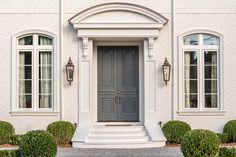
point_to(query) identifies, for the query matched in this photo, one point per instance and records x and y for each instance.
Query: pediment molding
(108, 16)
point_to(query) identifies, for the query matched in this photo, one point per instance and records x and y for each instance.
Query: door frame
(141, 76)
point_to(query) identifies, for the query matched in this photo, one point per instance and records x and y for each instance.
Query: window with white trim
(34, 72)
(201, 66)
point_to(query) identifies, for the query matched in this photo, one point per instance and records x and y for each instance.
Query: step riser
(123, 141)
(119, 129)
(117, 138)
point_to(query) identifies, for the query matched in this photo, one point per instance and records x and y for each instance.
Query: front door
(118, 83)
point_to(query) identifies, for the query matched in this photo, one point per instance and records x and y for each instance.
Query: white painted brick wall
(18, 15)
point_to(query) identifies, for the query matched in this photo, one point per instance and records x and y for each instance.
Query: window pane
(210, 72)
(210, 57)
(25, 101)
(211, 101)
(25, 86)
(210, 86)
(210, 40)
(191, 40)
(45, 72)
(28, 40)
(190, 57)
(45, 58)
(25, 58)
(191, 101)
(25, 72)
(45, 86)
(45, 101)
(191, 86)
(190, 72)
(44, 40)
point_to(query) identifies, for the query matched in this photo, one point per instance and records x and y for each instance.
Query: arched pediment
(118, 15)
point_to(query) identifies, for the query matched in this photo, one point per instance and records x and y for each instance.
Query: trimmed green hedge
(230, 129)
(223, 137)
(62, 131)
(175, 130)
(9, 153)
(15, 139)
(227, 152)
(6, 132)
(38, 143)
(200, 143)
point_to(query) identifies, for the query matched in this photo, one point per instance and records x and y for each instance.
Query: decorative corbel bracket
(85, 47)
(150, 47)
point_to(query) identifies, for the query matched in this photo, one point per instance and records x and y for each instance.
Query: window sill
(34, 113)
(201, 113)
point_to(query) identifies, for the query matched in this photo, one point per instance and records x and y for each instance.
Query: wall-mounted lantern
(166, 67)
(69, 71)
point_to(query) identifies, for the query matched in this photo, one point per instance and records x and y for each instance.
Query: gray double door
(118, 83)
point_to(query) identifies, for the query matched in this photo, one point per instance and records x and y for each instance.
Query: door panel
(107, 86)
(118, 95)
(128, 80)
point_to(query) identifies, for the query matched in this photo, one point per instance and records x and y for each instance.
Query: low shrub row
(37, 143)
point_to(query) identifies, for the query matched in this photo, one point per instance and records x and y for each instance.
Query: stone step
(119, 135)
(134, 145)
(116, 141)
(110, 137)
(118, 128)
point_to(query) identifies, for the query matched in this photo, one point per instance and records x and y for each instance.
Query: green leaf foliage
(37, 143)
(200, 143)
(227, 152)
(9, 153)
(223, 137)
(175, 130)
(6, 132)
(15, 139)
(230, 129)
(62, 131)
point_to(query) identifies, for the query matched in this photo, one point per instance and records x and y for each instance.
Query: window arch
(200, 83)
(33, 56)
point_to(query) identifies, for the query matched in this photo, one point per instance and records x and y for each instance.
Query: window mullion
(201, 73)
(35, 69)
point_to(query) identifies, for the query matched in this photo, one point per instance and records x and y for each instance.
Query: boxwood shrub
(200, 143)
(223, 137)
(9, 153)
(15, 139)
(227, 152)
(62, 131)
(230, 129)
(37, 143)
(174, 131)
(6, 132)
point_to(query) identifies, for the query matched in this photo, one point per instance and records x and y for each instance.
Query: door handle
(119, 99)
(116, 98)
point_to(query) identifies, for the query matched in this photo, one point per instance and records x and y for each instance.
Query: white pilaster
(85, 89)
(150, 89)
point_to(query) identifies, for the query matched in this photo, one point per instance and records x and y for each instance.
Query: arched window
(34, 72)
(200, 57)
